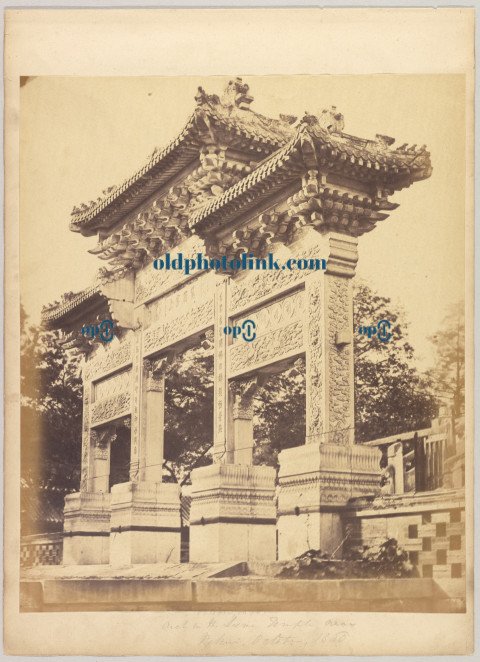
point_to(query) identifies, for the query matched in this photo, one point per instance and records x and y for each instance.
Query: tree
(448, 374)
(391, 395)
(280, 414)
(189, 412)
(51, 419)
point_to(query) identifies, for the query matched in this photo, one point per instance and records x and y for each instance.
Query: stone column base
(233, 514)
(316, 482)
(145, 523)
(86, 528)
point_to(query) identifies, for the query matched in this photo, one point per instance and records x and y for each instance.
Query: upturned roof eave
(59, 316)
(83, 222)
(90, 220)
(391, 163)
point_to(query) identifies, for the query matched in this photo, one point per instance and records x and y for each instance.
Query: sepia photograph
(239, 340)
(241, 409)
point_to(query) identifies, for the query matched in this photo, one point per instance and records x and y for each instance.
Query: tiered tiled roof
(233, 158)
(245, 130)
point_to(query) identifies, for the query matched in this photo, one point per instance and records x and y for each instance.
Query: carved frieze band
(166, 333)
(151, 283)
(280, 343)
(109, 359)
(111, 408)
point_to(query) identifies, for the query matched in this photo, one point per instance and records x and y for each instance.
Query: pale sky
(81, 135)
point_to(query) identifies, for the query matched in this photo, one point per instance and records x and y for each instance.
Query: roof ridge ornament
(236, 94)
(202, 97)
(331, 120)
(384, 141)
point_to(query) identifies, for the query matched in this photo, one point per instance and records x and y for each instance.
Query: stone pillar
(317, 480)
(101, 441)
(154, 413)
(241, 393)
(395, 459)
(220, 389)
(145, 521)
(233, 514)
(87, 513)
(86, 528)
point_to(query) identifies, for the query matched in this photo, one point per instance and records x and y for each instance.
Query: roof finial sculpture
(331, 120)
(236, 94)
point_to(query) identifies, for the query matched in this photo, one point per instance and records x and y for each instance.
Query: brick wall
(429, 525)
(43, 549)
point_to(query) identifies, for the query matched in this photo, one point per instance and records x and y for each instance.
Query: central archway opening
(120, 455)
(279, 414)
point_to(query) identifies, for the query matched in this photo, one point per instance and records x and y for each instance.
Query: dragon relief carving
(186, 296)
(276, 313)
(113, 385)
(263, 283)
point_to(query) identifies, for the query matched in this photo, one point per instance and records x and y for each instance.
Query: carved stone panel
(340, 360)
(275, 314)
(279, 344)
(168, 332)
(112, 385)
(261, 284)
(315, 377)
(279, 329)
(111, 408)
(151, 283)
(110, 358)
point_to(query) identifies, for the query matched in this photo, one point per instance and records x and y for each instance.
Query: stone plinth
(86, 528)
(233, 514)
(316, 482)
(145, 523)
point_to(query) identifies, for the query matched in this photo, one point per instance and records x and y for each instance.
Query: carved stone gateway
(232, 183)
